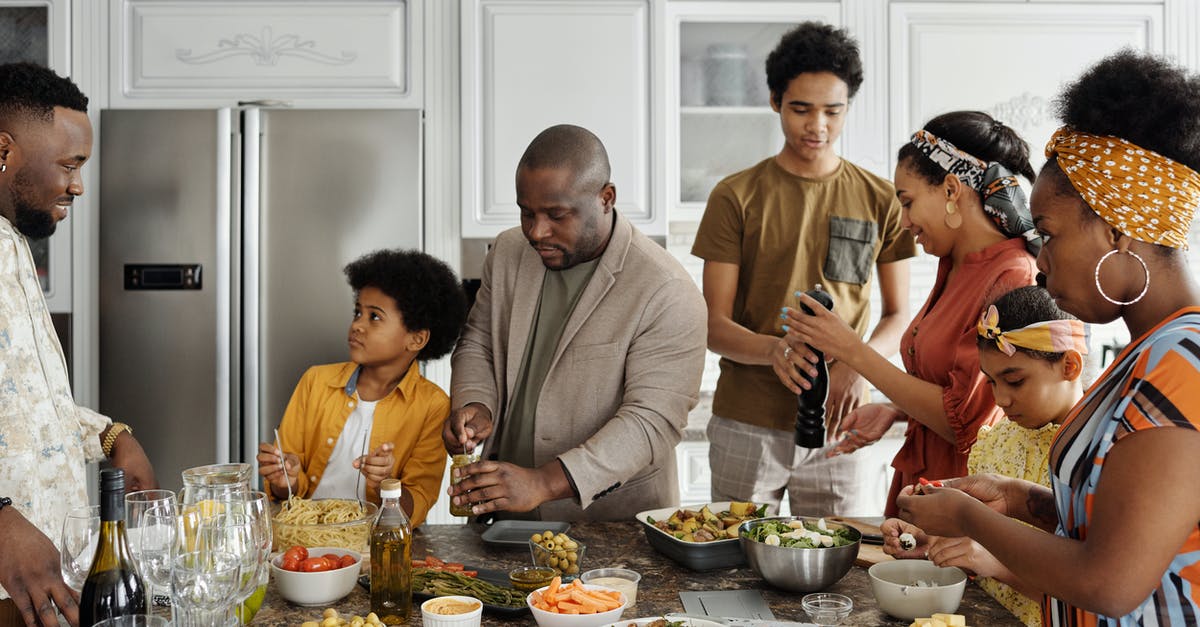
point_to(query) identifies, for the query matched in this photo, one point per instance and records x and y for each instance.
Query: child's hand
(376, 465)
(273, 472)
(966, 554)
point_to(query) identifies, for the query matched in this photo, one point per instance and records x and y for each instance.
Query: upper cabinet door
(530, 64)
(1009, 60)
(329, 53)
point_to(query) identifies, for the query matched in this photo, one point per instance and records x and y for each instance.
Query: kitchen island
(623, 544)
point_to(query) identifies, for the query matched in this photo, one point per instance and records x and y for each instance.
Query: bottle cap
(389, 489)
(112, 480)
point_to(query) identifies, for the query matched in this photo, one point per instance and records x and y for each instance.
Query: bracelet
(110, 439)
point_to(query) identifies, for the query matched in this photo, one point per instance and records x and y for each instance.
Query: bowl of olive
(557, 551)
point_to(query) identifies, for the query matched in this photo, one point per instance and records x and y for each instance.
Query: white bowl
(317, 589)
(552, 619)
(469, 619)
(897, 593)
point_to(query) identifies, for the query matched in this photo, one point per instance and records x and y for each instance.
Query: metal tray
(694, 555)
(516, 532)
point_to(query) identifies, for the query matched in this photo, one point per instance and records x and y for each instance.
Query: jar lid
(389, 489)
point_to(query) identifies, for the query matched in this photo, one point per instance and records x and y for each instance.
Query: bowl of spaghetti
(323, 522)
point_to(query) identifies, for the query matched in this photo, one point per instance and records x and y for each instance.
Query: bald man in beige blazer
(582, 354)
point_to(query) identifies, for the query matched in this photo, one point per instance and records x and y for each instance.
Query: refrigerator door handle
(224, 287)
(251, 281)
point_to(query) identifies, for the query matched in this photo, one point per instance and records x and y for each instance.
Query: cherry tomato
(347, 560)
(333, 557)
(290, 563)
(298, 552)
(315, 565)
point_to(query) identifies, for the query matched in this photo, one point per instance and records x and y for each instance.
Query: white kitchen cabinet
(39, 31)
(530, 64)
(695, 476)
(718, 110)
(189, 53)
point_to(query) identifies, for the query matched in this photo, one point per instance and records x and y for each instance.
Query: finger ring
(787, 351)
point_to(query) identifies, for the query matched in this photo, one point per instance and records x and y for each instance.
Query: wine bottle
(810, 403)
(112, 587)
(391, 558)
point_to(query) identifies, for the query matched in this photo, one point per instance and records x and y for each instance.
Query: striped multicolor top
(1151, 385)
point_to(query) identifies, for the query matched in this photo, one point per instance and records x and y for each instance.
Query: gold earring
(953, 217)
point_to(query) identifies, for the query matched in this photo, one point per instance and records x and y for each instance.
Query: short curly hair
(31, 91)
(1022, 307)
(427, 293)
(814, 47)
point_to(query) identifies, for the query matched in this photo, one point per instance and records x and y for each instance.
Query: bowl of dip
(621, 579)
(451, 611)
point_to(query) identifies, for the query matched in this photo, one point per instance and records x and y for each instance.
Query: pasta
(323, 523)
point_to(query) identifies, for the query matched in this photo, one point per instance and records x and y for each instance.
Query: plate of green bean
(489, 586)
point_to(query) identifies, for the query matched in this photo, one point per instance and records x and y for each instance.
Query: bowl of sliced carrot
(575, 604)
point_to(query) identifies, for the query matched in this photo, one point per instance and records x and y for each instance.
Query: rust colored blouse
(939, 346)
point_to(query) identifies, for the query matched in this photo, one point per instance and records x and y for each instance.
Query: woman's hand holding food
(272, 470)
(894, 533)
(376, 465)
(862, 427)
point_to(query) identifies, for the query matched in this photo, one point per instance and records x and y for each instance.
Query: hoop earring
(1114, 301)
(3, 167)
(953, 217)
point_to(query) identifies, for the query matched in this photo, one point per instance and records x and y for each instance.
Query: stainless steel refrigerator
(223, 234)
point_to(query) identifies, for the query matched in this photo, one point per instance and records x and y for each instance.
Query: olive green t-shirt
(787, 233)
(560, 292)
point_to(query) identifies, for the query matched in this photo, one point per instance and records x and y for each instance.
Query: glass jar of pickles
(458, 461)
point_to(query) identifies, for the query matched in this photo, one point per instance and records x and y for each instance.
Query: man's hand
(466, 427)
(491, 486)
(793, 362)
(31, 573)
(847, 391)
(270, 469)
(376, 465)
(127, 454)
(862, 427)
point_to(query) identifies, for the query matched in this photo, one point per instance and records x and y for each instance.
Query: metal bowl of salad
(797, 553)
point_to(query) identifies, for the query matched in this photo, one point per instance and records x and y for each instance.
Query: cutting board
(868, 554)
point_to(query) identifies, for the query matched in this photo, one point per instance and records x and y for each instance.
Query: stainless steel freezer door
(334, 185)
(158, 349)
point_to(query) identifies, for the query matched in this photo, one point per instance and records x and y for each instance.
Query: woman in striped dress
(1114, 204)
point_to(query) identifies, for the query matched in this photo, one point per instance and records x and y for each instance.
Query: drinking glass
(160, 508)
(80, 534)
(203, 586)
(134, 620)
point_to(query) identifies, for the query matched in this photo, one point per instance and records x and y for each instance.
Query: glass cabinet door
(720, 119)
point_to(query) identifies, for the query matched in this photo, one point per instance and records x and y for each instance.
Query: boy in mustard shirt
(350, 425)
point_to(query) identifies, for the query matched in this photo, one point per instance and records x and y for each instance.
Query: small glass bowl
(530, 578)
(827, 608)
(566, 561)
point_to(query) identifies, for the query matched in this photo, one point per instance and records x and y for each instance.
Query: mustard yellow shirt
(1009, 449)
(410, 417)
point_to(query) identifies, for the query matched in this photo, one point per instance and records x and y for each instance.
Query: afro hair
(814, 47)
(33, 91)
(426, 291)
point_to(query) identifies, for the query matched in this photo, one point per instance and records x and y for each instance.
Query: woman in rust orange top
(956, 181)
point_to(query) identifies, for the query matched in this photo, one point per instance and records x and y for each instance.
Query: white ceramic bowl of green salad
(798, 553)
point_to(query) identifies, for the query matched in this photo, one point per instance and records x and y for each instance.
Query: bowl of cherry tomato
(315, 576)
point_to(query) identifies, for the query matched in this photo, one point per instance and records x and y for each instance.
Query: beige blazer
(622, 379)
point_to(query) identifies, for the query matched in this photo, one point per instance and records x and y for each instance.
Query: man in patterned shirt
(45, 438)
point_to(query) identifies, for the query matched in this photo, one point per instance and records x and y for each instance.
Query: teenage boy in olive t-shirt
(803, 217)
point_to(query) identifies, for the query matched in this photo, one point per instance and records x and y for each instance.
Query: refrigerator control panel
(179, 276)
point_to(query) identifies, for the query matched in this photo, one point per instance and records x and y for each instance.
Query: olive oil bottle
(112, 587)
(391, 558)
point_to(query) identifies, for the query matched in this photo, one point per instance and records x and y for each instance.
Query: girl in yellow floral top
(1032, 355)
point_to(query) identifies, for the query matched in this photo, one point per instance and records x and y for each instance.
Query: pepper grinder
(810, 403)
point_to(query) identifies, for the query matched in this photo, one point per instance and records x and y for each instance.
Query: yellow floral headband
(1139, 192)
(1050, 336)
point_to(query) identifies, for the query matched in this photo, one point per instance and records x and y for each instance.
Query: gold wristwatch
(110, 438)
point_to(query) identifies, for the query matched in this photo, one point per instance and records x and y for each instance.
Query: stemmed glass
(80, 534)
(239, 524)
(150, 534)
(203, 585)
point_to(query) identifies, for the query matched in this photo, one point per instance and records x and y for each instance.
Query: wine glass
(156, 547)
(80, 534)
(158, 538)
(203, 586)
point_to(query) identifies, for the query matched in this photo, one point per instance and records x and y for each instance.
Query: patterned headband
(1003, 200)
(1139, 192)
(1050, 336)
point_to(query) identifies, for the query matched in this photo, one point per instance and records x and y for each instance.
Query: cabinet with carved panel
(174, 53)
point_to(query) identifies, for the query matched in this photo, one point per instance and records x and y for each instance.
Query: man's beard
(32, 222)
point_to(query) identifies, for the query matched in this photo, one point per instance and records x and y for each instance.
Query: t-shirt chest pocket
(851, 250)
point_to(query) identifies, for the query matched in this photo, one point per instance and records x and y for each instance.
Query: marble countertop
(624, 544)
